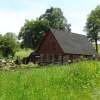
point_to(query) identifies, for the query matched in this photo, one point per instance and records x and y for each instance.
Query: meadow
(78, 81)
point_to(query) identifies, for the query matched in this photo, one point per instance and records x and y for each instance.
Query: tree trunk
(96, 45)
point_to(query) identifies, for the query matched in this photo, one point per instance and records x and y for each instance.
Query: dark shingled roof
(73, 43)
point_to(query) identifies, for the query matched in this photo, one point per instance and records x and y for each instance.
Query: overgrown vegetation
(80, 81)
(8, 44)
(23, 53)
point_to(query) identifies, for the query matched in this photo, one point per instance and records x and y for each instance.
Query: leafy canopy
(93, 25)
(55, 19)
(8, 44)
(33, 31)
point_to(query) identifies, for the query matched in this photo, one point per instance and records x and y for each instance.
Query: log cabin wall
(65, 58)
(49, 50)
(51, 58)
(60, 59)
(50, 46)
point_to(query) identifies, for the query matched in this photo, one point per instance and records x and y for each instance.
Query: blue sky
(14, 12)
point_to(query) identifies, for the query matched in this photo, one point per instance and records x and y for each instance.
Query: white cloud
(11, 21)
(77, 21)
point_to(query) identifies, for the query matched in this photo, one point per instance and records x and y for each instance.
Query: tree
(55, 19)
(33, 31)
(1, 39)
(93, 26)
(8, 44)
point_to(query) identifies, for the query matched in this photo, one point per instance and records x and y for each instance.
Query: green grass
(80, 81)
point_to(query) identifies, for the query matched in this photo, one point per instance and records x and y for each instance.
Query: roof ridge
(78, 34)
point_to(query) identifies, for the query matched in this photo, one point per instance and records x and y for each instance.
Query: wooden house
(59, 46)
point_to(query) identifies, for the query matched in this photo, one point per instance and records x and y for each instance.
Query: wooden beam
(62, 59)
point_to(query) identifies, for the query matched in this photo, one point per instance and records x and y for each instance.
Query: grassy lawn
(80, 81)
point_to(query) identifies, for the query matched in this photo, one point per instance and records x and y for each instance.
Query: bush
(8, 44)
(23, 53)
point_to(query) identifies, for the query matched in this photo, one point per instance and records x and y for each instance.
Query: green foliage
(23, 53)
(93, 25)
(55, 19)
(1, 40)
(8, 44)
(33, 31)
(80, 81)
